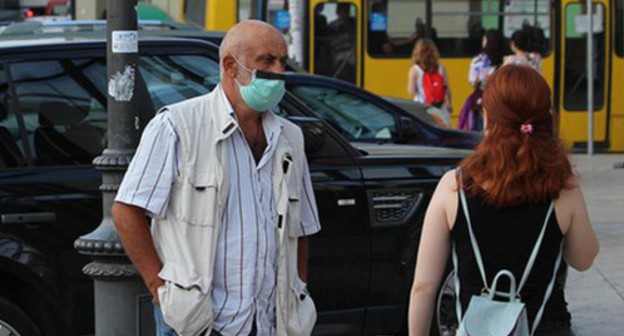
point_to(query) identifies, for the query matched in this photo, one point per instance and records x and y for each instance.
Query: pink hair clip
(526, 128)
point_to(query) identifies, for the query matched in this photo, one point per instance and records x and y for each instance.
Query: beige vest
(186, 239)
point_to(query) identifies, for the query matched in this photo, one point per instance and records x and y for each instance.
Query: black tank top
(506, 237)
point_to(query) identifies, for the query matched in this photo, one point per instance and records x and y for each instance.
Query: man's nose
(278, 67)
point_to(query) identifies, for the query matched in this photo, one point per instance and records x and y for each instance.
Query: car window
(63, 103)
(56, 102)
(11, 147)
(171, 79)
(354, 117)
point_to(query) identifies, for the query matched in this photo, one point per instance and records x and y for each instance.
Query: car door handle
(28, 217)
(346, 202)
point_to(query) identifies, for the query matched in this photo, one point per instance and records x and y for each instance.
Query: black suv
(53, 122)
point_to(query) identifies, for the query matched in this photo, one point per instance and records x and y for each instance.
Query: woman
(519, 45)
(491, 58)
(510, 180)
(481, 68)
(427, 81)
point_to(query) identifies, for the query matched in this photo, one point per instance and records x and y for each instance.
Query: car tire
(15, 320)
(445, 313)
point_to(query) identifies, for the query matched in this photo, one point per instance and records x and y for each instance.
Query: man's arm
(302, 258)
(137, 241)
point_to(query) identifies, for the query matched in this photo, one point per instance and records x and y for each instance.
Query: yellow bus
(369, 42)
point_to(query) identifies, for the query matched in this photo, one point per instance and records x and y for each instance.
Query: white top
(480, 70)
(531, 59)
(244, 283)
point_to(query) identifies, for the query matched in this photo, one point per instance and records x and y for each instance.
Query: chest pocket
(293, 190)
(197, 204)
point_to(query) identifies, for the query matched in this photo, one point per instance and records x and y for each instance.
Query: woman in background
(511, 179)
(427, 82)
(519, 45)
(481, 68)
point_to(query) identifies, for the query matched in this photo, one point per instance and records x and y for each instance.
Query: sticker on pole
(125, 41)
(121, 85)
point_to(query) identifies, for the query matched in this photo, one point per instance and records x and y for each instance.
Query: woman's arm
(580, 245)
(447, 91)
(433, 253)
(473, 73)
(412, 77)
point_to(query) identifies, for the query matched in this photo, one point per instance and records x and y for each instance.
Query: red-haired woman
(509, 183)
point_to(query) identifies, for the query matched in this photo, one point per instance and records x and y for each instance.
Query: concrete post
(120, 296)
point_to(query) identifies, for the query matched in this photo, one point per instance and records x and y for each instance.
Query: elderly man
(227, 185)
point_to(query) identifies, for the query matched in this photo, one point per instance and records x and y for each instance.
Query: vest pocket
(198, 202)
(186, 308)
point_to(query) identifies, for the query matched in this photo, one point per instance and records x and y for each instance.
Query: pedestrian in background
(427, 81)
(519, 45)
(227, 185)
(481, 68)
(519, 168)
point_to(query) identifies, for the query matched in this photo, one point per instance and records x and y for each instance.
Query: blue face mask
(265, 90)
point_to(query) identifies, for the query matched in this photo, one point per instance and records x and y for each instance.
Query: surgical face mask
(264, 91)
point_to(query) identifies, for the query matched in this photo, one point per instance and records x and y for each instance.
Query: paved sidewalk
(596, 296)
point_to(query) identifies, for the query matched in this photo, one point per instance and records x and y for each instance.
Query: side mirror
(314, 132)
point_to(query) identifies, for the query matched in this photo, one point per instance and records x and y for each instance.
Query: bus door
(335, 41)
(572, 89)
(616, 123)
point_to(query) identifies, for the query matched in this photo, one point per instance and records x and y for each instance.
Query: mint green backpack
(484, 315)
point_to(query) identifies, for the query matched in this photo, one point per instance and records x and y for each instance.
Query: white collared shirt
(244, 281)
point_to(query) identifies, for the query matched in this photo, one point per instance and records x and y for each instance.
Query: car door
(49, 192)
(398, 190)
(339, 255)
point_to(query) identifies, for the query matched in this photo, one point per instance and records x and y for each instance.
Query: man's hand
(153, 286)
(302, 258)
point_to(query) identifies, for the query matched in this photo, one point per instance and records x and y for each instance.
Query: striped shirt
(244, 282)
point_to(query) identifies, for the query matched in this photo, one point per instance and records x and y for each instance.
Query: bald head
(247, 36)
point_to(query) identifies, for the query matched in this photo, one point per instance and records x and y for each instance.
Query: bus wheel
(14, 322)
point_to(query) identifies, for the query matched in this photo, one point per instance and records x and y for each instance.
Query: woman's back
(506, 237)
(534, 60)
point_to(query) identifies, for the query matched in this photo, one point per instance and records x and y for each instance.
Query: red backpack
(434, 87)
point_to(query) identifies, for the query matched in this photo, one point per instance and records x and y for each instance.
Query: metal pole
(429, 19)
(590, 79)
(120, 296)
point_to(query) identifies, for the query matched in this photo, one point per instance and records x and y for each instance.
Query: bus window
(533, 17)
(619, 28)
(394, 26)
(459, 25)
(575, 72)
(195, 12)
(278, 15)
(335, 40)
(244, 10)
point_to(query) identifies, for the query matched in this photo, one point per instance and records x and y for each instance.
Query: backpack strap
(473, 239)
(531, 262)
(549, 290)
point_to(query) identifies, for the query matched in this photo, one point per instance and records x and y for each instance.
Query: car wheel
(14, 321)
(446, 315)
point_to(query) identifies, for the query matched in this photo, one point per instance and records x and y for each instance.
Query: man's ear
(230, 66)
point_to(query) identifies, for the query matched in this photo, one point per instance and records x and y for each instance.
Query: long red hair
(513, 166)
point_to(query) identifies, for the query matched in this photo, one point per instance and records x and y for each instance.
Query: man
(228, 187)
